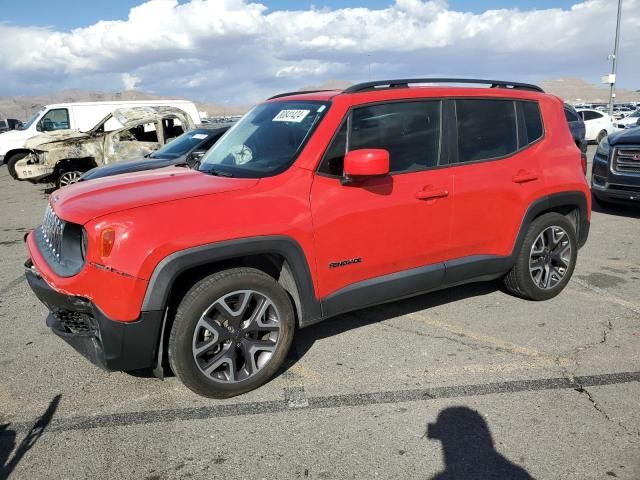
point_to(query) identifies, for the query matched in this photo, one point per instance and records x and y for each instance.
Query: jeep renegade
(314, 204)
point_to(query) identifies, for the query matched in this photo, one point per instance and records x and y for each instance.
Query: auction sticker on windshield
(295, 116)
(200, 136)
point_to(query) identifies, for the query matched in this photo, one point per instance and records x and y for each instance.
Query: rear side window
(486, 129)
(571, 117)
(532, 122)
(589, 115)
(409, 131)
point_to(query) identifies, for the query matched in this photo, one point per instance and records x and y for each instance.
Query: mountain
(22, 107)
(575, 90)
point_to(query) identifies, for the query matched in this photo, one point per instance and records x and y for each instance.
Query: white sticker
(321, 109)
(199, 136)
(295, 116)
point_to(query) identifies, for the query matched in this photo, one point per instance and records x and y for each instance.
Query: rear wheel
(231, 333)
(68, 178)
(11, 163)
(600, 136)
(546, 259)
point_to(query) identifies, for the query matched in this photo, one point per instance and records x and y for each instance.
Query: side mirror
(193, 160)
(368, 162)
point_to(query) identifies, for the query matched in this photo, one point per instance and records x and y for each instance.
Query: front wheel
(11, 164)
(546, 260)
(231, 333)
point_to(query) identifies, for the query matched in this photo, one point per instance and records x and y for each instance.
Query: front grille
(75, 322)
(626, 188)
(52, 228)
(626, 159)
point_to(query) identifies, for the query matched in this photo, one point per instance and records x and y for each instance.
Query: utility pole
(614, 57)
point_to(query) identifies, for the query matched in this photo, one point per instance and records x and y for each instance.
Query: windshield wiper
(217, 173)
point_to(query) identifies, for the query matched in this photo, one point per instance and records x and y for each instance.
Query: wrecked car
(61, 157)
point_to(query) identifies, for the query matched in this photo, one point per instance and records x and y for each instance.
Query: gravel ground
(511, 388)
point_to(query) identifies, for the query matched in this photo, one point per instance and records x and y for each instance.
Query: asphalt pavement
(461, 384)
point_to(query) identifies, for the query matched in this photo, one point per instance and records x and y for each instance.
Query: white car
(597, 124)
(630, 121)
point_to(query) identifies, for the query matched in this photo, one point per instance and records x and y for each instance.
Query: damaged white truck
(61, 157)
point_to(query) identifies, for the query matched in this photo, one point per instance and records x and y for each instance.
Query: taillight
(107, 240)
(583, 160)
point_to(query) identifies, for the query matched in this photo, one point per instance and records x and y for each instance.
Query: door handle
(431, 194)
(524, 176)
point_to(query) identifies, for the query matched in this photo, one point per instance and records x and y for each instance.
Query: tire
(214, 349)
(534, 264)
(11, 163)
(68, 178)
(600, 136)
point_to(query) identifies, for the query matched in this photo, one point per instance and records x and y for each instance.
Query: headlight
(603, 147)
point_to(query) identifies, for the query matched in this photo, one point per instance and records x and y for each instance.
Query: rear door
(496, 173)
(387, 224)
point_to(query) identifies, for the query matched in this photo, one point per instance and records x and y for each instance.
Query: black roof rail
(298, 92)
(405, 82)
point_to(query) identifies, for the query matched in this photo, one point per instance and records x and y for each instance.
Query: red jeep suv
(314, 204)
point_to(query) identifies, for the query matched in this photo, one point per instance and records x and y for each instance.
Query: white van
(75, 116)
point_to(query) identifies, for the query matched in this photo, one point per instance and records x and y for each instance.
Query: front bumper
(108, 344)
(616, 186)
(29, 169)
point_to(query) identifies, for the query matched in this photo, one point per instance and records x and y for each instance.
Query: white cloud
(240, 52)
(130, 81)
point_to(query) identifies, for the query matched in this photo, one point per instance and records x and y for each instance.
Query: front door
(389, 224)
(132, 143)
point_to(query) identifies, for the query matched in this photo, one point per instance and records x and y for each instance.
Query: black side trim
(110, 345)
(173, 265)
(384, 289)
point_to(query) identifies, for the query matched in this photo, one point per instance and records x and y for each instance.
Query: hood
(56, 136)
(130, 166)
(81, 202)
(625, 137)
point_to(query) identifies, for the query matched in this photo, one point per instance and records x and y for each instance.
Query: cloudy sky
(238, 52)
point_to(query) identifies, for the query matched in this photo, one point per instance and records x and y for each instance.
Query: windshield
(29, 122)
(635, 114)
(181, 145)
(266, 141)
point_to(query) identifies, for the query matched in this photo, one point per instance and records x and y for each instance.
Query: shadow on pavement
(617, 209)
(306, 337)
(468, 450)
(8, 439)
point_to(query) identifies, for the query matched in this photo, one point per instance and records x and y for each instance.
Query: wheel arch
(63, 165)
(11, 153)
(572, 204)
(280, 257)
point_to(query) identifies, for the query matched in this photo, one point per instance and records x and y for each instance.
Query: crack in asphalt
(88, 422)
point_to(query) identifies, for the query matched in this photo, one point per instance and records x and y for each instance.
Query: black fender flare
(571, 199)
(166, 272)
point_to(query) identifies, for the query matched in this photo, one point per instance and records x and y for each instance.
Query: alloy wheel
(67, 178)
(550, 257)
(236, 336)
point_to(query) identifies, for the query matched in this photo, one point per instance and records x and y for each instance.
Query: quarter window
(409, 131)
(486, 129)
(532, 122)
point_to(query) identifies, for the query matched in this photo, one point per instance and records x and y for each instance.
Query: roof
(412, 84)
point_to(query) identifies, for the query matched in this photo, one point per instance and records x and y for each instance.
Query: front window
(182, 144)
(266, 141)
(31, 120)
(56, 119)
